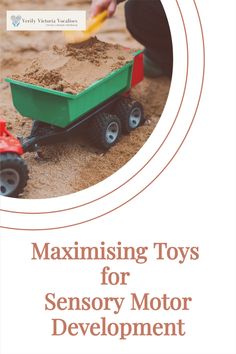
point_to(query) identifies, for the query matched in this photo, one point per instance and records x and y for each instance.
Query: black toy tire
(131, 114)
(14, 174)
(104, 130)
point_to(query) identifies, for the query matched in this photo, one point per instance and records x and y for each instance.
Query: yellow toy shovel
(93, 26)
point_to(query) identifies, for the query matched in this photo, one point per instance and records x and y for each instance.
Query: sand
(72, 165)
(72, 68)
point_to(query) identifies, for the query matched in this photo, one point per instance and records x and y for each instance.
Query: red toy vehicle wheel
(13, 174)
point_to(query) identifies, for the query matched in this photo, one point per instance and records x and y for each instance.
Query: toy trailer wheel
(105, 130)
(13, 174)
(130, 113)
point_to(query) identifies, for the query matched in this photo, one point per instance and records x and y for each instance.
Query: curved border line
(146, 163)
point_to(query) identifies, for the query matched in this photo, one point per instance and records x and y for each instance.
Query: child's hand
(98, 6)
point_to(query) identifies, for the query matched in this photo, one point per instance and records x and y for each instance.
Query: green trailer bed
(61, 109)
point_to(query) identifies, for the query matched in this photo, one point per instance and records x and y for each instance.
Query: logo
(16, 20)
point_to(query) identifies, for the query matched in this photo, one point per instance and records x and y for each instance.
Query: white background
(191, 203)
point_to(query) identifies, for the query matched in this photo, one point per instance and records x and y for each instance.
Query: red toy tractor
(13, 171)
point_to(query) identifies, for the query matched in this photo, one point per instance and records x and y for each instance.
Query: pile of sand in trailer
(72, 68)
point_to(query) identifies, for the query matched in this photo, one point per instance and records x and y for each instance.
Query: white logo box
(46, 20)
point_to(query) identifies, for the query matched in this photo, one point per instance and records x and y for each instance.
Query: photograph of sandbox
(80, 111)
